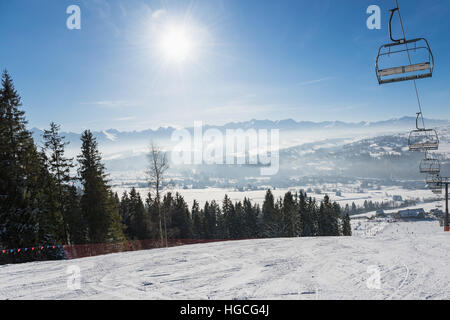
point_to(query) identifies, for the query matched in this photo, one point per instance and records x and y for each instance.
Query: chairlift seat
(412, 71)
(430, 165)
(404, 69)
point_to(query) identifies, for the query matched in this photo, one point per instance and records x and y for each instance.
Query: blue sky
(305, 60)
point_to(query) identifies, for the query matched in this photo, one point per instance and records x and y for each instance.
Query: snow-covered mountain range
(376, 150)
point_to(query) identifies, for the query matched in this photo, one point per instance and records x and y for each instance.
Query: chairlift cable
(409, 58)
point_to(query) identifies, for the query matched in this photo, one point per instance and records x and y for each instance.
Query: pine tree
(329, 214)
(115, 227)
(290, 217)
(270, 216)
(100, 210)
(335, 219)
(346, 225)
(51, 228)
(198, 221)
(354, 209)
(78, 230)
(314, 212)
(306, 216)
(211, 212)
(151, 207)
(250, 219)
(125, 214)
(181, 218)
(237, 228)
(59, 166)
(167, 206)
(134, 216)
(228, 217)
(27, 202)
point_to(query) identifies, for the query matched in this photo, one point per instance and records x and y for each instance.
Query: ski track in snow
(412, 257)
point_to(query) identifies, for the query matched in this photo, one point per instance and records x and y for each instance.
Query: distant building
(412, 213)
(437, 212)
(397, 198)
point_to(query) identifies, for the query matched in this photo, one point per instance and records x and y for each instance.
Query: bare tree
(158, 167)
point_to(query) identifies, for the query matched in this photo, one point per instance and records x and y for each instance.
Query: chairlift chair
(409, 71)
(430, 165)
(434, 181)
(423, 139)
(436, 188)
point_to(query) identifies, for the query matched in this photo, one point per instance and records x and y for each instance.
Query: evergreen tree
(290, 216)
(59, 166)
(115, 228)
(136, 221)
(314, 212)
(27, 202)
(354, 209)
(228, 214)
(328, 218)
(306, 216)
(237, 228)
(125, 214)
(250, 222)
(335, 219)
(99, 208)
(151, 207)
(167, 207)
(346, 225)
(181, 218)
(78, 230)
(198, 221)
(211, 211)
(50, 224)
(221, 221)
(271, 216)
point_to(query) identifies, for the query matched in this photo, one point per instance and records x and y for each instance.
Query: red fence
(89, 250)
(57, 252)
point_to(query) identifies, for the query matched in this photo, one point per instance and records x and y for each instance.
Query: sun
(176, 44)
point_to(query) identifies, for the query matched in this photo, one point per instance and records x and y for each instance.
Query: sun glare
(176, 44)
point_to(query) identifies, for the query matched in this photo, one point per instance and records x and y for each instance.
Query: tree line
(42, 200)
(294, 215)
(369, 206)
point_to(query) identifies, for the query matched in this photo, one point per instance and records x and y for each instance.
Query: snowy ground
(410, 258)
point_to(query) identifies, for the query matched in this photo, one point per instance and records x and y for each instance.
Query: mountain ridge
(285, 124)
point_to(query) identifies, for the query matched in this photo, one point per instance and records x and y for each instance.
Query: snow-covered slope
(412, 259)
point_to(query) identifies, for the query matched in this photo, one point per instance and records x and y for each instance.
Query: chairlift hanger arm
(393, 11)
(417, 120)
